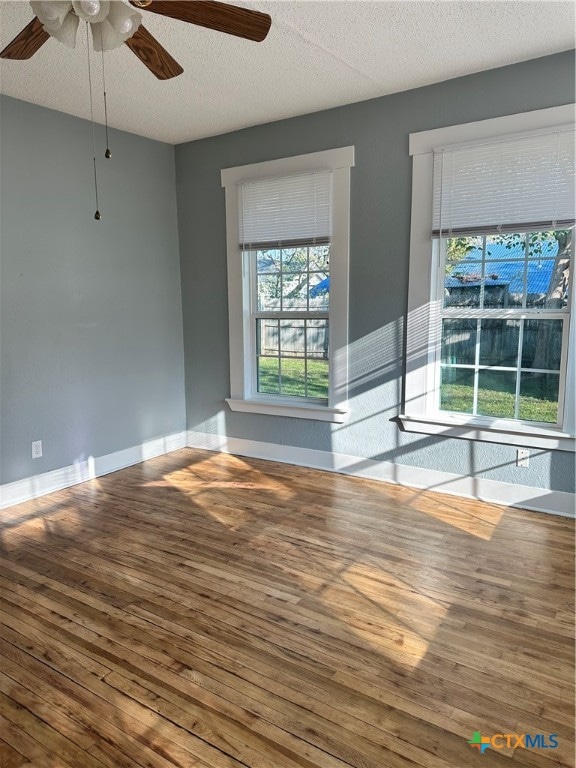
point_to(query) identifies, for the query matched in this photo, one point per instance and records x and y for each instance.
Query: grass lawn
(496, 402)
(496, 398)
(293, 378)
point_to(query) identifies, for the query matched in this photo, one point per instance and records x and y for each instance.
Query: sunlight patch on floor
(476, 518)
(386, 613)
(41, 524)
(223, 484)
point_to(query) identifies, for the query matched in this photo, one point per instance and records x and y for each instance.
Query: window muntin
(290, 304)
(503, 325)
(293, 278)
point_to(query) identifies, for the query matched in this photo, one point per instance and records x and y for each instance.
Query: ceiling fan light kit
(93, 11)
(112, 22)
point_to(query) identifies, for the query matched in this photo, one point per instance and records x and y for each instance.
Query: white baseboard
(48, 482)
(494, 491)
(527, 497)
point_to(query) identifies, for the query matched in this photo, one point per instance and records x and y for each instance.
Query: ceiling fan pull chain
(107, 154)
(97, 215)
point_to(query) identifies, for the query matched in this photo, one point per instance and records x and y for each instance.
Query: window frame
(420, 409)
(243, 394)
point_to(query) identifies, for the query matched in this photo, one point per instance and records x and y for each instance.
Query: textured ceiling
(318, 54)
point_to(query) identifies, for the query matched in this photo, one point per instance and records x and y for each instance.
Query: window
(288, 232)
(503, 325)
(290, 319)
(490, 354)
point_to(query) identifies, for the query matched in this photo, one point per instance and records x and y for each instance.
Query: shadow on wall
(373, 436)
(562, 471)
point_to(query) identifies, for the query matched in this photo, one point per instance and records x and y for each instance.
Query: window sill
(490, 430)
(292, 409)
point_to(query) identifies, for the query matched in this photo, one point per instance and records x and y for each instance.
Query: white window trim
(243, 398)
(419, 414)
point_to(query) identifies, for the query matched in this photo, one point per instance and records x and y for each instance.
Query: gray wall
(91, 323)
(380, 226)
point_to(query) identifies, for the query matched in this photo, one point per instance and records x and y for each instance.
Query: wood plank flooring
(208, 611)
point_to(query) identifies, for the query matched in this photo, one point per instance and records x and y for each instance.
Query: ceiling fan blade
(241, 22)
(25, 45)
(153, 55)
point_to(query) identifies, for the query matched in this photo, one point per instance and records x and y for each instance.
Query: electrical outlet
(522, 457)
(37, 449)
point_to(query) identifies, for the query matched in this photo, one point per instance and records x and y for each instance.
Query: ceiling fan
(116, 22)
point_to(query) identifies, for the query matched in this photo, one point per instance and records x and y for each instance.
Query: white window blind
(286, 211)
(510, 185)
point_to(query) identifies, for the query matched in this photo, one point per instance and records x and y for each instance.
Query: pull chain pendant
(97, 215)
(108, 153)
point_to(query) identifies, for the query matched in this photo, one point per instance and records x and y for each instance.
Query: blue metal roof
(505, 273)
(505, 266)
(320, 288)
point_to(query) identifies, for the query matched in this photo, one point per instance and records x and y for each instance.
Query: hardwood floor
(203, 610)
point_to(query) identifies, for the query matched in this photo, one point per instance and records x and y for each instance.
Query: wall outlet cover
(37, 449)
(522, 457)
